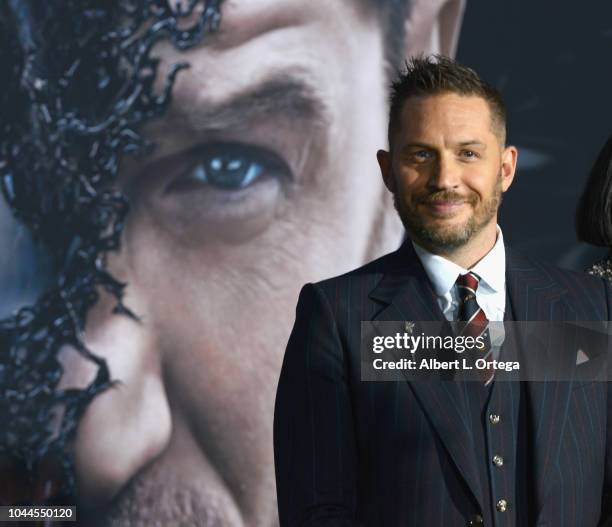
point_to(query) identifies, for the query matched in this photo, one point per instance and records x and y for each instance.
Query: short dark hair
(594, 212)
(437, 74)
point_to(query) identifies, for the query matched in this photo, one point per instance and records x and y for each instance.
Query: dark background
(552, 60)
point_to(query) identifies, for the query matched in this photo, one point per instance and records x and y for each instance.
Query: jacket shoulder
(565, 276)
(588, 288)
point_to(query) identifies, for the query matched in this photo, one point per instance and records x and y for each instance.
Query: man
(431, 452)
(243, 200)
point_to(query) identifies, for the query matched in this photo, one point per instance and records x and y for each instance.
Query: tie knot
(467, 283)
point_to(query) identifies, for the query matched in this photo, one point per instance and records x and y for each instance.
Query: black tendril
(78, 87)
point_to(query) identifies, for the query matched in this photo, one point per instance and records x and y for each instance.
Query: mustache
(447, 196)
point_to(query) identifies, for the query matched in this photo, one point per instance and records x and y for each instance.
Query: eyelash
(230, 167)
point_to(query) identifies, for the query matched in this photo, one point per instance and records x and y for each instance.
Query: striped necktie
(476, 322)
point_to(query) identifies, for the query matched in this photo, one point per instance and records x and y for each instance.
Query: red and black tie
(476, 322)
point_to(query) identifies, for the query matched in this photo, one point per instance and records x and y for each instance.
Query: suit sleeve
(314, 444)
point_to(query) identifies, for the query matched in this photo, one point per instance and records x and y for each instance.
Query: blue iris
(227, 169)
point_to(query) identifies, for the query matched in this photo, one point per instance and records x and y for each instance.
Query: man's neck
(469, 254)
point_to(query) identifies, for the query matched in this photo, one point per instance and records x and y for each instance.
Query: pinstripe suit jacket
(379, 454)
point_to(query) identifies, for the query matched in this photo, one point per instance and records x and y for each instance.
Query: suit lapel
(536, 296)
(405, 294)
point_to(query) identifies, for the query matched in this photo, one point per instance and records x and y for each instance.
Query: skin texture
(215, 257)
(447, 170)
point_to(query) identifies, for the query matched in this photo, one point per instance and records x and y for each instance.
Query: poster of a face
(263, 177)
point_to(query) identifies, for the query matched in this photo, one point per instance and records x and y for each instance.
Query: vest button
(501, 505)
(498, 461)
(476, 521)
(494, 419)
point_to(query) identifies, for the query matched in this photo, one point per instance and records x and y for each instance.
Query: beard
(444, 236)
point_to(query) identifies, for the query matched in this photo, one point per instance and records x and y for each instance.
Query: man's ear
(433, 26)
(384, 162)
(508, 167)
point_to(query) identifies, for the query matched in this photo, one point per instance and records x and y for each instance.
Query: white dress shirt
(491, 292)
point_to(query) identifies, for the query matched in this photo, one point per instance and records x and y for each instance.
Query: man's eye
(422, 155)
(218, 191)
(229, 166)
(469, 153)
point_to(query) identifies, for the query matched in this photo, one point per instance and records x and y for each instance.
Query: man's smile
(445, 209)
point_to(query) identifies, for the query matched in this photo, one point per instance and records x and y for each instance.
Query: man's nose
(444, 174)
(127, 426)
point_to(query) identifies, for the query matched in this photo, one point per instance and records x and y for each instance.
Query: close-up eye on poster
(288, 263)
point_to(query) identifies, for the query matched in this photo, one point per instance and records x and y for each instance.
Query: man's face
(263, 180)
(448, 170)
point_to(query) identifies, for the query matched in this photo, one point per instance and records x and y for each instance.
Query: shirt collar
(492, 268)
(443, 273)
